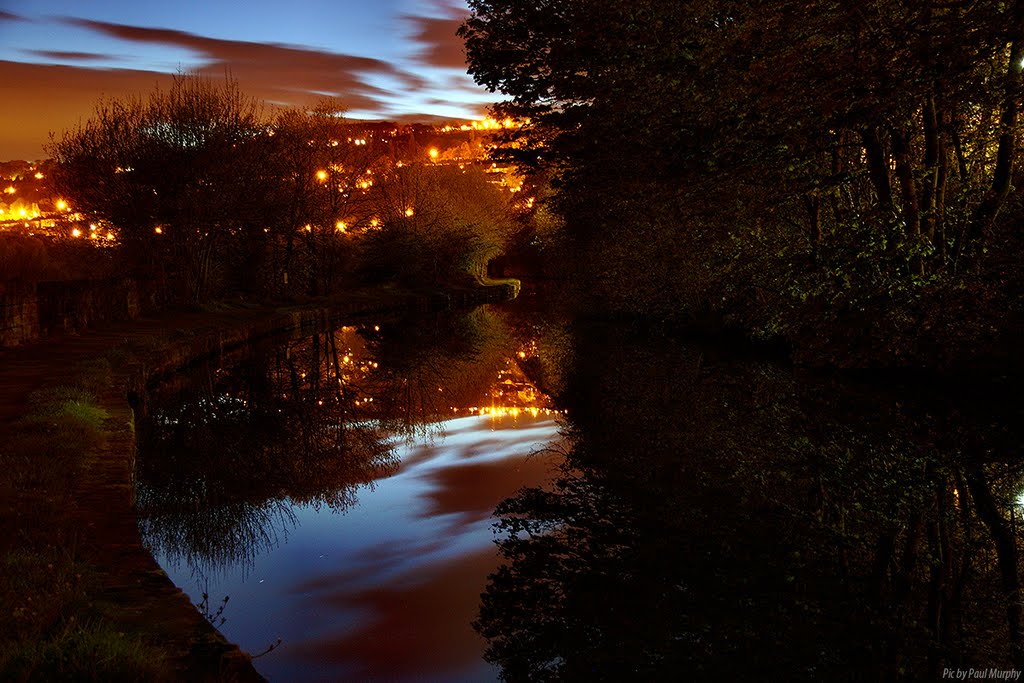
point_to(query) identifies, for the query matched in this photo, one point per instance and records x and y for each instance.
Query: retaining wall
(29, 311)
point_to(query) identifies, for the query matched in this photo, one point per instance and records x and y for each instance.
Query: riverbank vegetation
(838, 176)
(56, 629)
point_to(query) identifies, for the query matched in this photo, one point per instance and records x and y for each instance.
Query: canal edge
(137, 594)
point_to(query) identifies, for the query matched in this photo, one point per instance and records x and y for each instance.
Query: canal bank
(92, 519)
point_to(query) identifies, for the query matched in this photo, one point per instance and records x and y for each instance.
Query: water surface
(704, 513)
(338, 489)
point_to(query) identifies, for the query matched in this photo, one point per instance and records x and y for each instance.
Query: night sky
(390, 59)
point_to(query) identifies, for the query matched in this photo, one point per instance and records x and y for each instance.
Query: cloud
(272, 71)
(70, 56)
(40, 99)
(43, 98)
(441, 47)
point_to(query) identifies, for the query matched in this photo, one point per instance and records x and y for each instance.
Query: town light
(433, 152)
(321, 175)
(409, 212)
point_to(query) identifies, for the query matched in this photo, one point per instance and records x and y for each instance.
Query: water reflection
(718, 518)
(339, 488)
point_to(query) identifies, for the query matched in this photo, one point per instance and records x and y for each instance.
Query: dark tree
(765, 161)
(179, 173)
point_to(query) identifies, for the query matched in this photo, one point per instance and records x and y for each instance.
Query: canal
(661, 507)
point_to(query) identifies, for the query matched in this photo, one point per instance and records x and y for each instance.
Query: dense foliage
(800, 168)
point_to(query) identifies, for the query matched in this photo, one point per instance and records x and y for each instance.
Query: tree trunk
(988, 210)
(1006, 552)
(908, 187)
(878, 168)
(930, 189)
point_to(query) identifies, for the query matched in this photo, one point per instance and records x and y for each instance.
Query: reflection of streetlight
(409, 212)
(433, 152)
(62, 205)
(76, 233)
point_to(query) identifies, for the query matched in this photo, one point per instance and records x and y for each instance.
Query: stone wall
(19, 313)
(29, 311)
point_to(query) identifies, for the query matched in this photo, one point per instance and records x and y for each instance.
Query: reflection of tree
(306, 421)
(225, 460)
(211, 536)
(719, 518)
(438, 363)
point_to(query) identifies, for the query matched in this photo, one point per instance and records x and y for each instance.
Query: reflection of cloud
(9, 16)
(419, 628)
(474, 489)
(370, 565)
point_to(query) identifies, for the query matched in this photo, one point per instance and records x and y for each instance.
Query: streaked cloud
(266, 66)
(442, 48)
(59, 56)
(57, 66)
